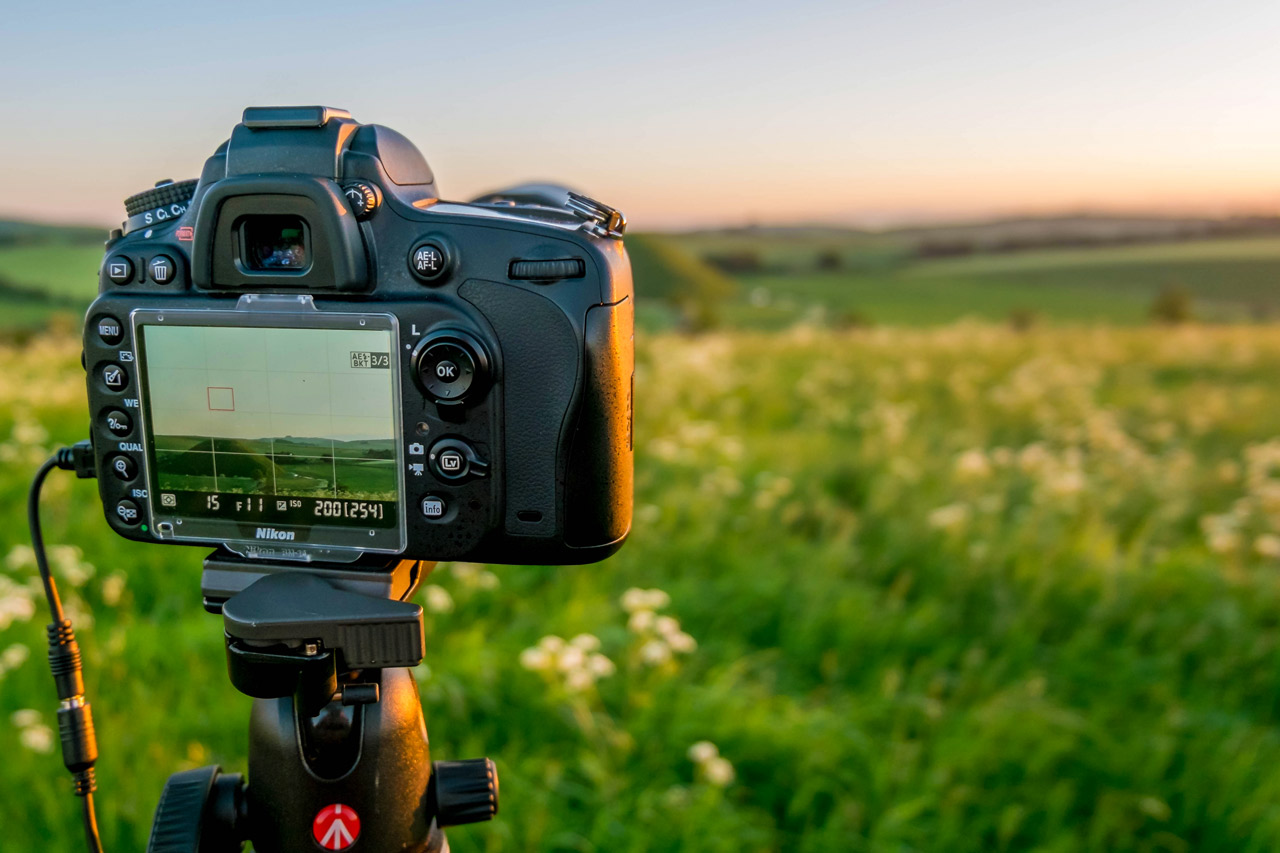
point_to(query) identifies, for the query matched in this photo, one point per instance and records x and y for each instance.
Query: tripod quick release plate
(296, 610)
(291, 634)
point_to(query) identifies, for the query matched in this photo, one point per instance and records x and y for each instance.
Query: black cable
(37, 538)
(91, 825)
(75, 719)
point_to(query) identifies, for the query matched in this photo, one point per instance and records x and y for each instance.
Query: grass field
(955, 589)
(1226, 280)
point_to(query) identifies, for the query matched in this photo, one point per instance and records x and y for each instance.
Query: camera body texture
(307, 356)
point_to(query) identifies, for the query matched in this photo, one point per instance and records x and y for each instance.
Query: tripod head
(337, 743)
(292, 634)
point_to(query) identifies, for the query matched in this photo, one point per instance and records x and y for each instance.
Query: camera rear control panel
(447, 407)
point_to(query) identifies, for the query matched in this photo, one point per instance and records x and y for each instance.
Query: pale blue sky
(680, 113)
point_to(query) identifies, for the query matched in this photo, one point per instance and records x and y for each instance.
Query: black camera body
(307, 356)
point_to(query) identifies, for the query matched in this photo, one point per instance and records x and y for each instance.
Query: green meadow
(907, 573)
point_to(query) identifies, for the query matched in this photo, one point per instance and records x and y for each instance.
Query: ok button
(447, 370)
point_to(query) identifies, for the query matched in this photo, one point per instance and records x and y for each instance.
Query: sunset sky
(680, 113)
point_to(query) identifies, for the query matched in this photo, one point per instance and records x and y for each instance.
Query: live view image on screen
(272, 425)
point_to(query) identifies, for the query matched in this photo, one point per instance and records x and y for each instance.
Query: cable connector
(78, 457)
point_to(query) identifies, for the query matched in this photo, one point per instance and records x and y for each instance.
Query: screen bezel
(328, 542)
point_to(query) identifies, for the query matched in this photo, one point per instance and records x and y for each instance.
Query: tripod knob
(200, 811)
(463, 791)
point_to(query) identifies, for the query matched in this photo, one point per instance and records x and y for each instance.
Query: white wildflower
(112, 588)
(438, 599)
(536, 659)
(13, 657)
(571, 658)
(973, 465)
(600, 666)
(950, 517)
(586, 642)
(703, 751)
(666, 626)
(38, 738)
(655, 653)
(719, 771)
(682, 643)
(25, 718)
(1268, 545)
(640, 621)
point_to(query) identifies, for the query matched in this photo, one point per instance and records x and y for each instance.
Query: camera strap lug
(598, 218)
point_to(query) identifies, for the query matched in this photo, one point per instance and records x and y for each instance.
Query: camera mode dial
(164, 202)
(450, 366)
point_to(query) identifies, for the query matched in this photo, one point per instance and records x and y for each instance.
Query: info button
(434, 507)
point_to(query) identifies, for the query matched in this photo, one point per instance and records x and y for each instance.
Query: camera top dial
(164, 202)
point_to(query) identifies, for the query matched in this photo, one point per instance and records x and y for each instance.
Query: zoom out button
(127, 511)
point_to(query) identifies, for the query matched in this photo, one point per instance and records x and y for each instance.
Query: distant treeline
(952, 246)
(846, 252)
(11, 293)
(35, 234)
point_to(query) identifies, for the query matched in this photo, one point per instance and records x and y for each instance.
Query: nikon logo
(272, 533)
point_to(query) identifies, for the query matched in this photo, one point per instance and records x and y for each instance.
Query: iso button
(428, 262)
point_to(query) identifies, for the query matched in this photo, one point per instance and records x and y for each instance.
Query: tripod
(338, 754)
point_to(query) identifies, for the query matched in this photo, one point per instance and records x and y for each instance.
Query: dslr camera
(307, 356)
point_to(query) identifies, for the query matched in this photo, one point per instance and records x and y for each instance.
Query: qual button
(122, 467)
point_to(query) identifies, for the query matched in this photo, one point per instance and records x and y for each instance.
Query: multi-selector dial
(451, 366)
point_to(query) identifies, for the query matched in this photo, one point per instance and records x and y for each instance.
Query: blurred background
(958, 448)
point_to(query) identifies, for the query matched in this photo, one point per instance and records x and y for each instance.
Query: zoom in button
(122, 467)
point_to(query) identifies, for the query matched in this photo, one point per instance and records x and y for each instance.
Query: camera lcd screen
(274, 243)
(274, 435)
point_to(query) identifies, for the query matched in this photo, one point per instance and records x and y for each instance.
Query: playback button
(119, 269)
